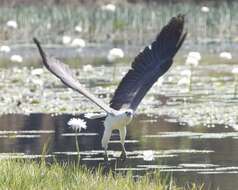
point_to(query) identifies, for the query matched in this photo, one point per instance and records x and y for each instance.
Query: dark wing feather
(64, 73)
(149, 65)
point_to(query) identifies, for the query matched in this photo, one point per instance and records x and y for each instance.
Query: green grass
(20, 174)
(129, 24)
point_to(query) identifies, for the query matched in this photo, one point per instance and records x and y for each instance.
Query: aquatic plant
(235, 73)
(125, 24)
(66, 39)
(78, 42)
(114, 54)
(12, 24)
(5, 49)
(16, 58)
(225, 55)
(78, 28)
(192, 61)
(109, 7)
(205, 9)
(77, 124)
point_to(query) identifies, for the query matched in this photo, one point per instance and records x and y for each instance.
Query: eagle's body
(145, 70)
(118, 121)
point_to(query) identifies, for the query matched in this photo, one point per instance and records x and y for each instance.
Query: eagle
(148, 66)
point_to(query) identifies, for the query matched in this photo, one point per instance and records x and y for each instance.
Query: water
(153, 143)
(187, 129)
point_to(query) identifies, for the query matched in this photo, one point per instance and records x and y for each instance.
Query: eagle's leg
(105, 139)
(123, 137)
(105, 155)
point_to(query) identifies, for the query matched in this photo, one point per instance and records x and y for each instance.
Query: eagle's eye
(128, 113)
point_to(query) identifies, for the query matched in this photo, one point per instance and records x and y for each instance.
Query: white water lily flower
(195, 55)
(77, 124)
(16, 58)
(148, 155)
(78, 28)
(5, 49)
(37, 71)
(37, 81)
(193, 58)
(66, 39)
(192, 61)
(235, 70)
(115, 53)
(205, 9)
(109, 7)
(48, 26)
(186, 72)
(78, 42)
(87, 68)
(183, 81)
(225, 55)
(12, 24)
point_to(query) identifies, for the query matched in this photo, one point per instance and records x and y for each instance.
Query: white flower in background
(66, 39)
(37, 71)
(12, 24)
(5, 49)
(87, 68)
(225, 55)
(78, 28)
(193, 58)
(195, 55)
(109, 7)
(16, 58)
(183, 81)
(48, 26)
(186, 72)
(78, 42)
(37, 81)
(205, 9)
(148, 155)
(235, 71)
(115, 53)
(192, 61)
(77, 124)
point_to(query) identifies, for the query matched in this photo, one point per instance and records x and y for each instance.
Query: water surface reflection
(198, 154)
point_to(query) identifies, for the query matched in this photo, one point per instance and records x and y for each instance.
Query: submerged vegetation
(20, 174)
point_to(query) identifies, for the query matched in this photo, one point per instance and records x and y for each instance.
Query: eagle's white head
(128, 113)
(125, 116)
(120, 119)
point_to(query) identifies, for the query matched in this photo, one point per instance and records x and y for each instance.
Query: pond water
(204, 155)
(186, 125)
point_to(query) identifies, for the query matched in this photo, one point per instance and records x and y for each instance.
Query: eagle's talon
(123, 156)
(105, 158)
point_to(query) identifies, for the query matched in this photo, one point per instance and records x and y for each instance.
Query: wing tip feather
(41, 51)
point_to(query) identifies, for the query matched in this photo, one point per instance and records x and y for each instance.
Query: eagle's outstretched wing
(149, 65)
(64, 73)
